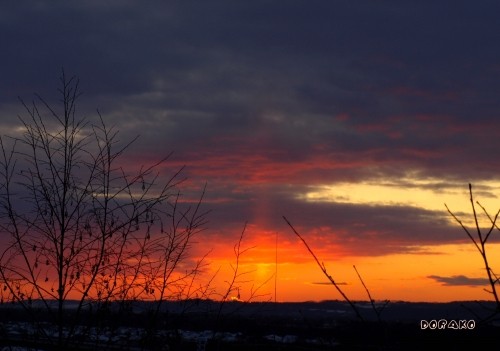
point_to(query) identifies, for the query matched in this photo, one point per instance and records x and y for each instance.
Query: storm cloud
(264, 100)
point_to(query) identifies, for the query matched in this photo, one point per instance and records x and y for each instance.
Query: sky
(355, 121)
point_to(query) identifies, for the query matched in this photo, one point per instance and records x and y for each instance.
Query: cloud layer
(459, 280)
(266, 101)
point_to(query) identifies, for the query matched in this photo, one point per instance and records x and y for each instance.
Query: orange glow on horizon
(396, 277)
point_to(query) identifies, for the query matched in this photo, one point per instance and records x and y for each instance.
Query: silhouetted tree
(75, 224)
(479, 238)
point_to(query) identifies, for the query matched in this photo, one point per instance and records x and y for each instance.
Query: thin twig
(378, 311)
(325, 272)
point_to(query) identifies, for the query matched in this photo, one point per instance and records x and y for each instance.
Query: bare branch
(325, 272)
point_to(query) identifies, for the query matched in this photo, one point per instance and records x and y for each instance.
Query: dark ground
(329, 325)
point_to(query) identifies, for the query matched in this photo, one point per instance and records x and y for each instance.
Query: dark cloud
(459, 280)
(355, 229)
(262, 99)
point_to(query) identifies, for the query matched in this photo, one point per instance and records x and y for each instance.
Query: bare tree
(77, 225)
(480, 239)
